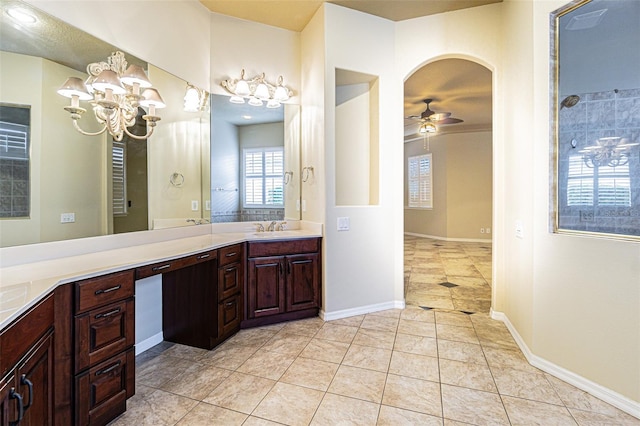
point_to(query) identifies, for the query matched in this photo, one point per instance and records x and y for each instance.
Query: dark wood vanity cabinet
(26, 359)
(104, 361)
(231, 267)
(283, 280)
(202, 299)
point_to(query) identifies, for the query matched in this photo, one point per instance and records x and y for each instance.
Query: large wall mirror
(57, 184)
(596, 107)
(255, 162)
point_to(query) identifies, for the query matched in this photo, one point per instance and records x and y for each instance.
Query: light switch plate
(343, 224)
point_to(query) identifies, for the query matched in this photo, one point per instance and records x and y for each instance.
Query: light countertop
(22, 286)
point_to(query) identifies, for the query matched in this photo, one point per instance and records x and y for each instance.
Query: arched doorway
(448, 186)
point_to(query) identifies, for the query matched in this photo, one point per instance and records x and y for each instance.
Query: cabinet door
(230, 280)
(8, 402)
(35, 384)
(229, 316)
(265, 287)
(302, 282)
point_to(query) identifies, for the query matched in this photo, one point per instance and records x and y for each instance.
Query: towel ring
(176, 179)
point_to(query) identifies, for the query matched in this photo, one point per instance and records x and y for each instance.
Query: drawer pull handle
(29, 383)
(108, 314)
(230, 269)
(159, 268)
(229, 304)
(108, 369)
(108, 290)
(230, 254)
(15, 395)
(203, 256)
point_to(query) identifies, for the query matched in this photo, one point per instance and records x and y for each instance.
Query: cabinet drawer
(104, 332)
(101, 392)
(99, 291)
(279, 248)
(172, 265)
(230, 280)
(230, 254)
(229, 316)
(24, 333)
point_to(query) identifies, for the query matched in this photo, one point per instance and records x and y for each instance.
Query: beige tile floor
(396, 367)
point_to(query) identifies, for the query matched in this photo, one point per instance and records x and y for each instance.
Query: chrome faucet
(272, 226)
(260, 227)
(282, 226)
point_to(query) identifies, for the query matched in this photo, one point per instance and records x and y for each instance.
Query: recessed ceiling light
(22, 15)
(586, 20)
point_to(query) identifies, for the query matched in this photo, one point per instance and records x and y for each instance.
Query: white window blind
(263, 177)
(119, 169)
(603, 186)
(420, 181)
(14, 143)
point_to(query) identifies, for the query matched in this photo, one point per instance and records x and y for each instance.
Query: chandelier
(257, 90)
(113, 90)
(610, 151)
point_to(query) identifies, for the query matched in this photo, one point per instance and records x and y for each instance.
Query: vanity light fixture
(113, 89)
(257, 90)
(195, 99)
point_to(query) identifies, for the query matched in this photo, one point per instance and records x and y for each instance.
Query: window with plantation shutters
(119, 170)
(597, 186)
(263, 177)
(420, 181)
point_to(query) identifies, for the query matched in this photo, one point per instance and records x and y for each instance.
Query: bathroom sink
(276, 234)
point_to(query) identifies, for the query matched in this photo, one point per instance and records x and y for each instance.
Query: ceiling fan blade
(449, 120)
(437, 116)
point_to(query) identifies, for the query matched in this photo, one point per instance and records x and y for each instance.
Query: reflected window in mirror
(14, 160)
(263, 178)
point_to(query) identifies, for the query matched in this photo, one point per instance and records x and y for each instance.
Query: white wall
(462, 187)
(172, 35)
(586, 291)
(364, 44)
(67, 182)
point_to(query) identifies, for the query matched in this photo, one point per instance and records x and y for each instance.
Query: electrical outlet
(67, 217)
(207, 205)
(298, 205)
(304, 205)
(488, 230)
(482, 230)
(194, 205)
(519, 230)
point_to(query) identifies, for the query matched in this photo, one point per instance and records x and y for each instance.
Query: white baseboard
(147, 344)
(463, 240)
(607, 395)
(361, 310)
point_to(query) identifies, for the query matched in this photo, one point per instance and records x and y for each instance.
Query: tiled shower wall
(597, 115)
(14, 188)
(248, 215)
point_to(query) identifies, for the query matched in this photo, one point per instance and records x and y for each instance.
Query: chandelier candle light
(609, 151)
(257, 90)
(113, 89)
